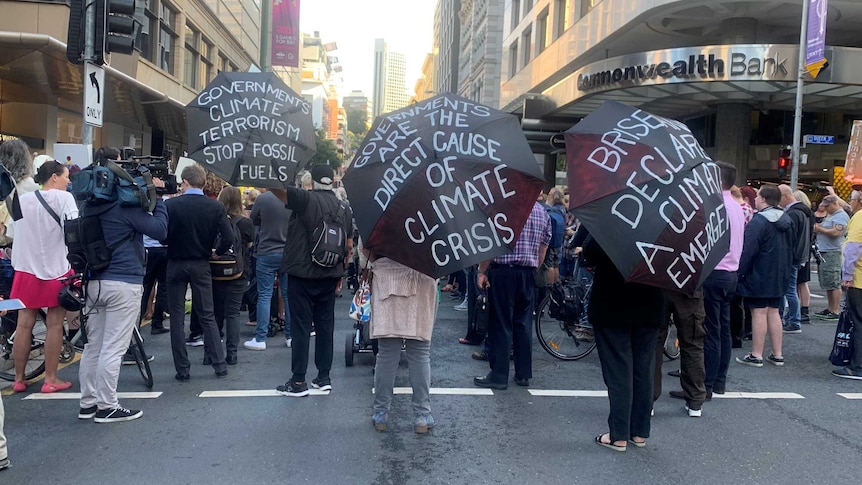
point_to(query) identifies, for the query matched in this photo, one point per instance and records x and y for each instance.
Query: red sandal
(19, 386)
(50, 388)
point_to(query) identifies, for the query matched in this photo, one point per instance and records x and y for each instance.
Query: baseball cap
(322, 174)
(829, 199)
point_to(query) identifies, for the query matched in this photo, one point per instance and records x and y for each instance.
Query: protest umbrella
(443, 184)
(250, 129)
(649, 195)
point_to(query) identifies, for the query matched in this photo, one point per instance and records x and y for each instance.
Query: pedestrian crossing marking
(256, 393)
(851, 395)
(758, 395)
(77, 395)
(567, 393)
(446, 391)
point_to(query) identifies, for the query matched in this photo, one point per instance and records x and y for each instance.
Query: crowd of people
(759, 289)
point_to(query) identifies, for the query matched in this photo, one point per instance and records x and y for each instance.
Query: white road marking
(256, 393)
(448, 391)
(565, 393)
(851, 395)
(77, 395)
(758, 395)
(817, 296)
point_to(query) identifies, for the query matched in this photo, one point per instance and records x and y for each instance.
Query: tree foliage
(327, 152)
(357, 121)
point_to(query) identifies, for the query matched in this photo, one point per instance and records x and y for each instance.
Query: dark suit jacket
(194, 221)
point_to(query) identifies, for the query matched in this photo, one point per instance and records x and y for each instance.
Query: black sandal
(611, 444)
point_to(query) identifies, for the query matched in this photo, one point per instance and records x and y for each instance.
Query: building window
(190, 57)
(528, 5)
(513, 59)
(562, 14)
(587, 5)
(206, 63)
(542, 31)
(167, 38)
(527, 45)
(516, 13)
(149, 42)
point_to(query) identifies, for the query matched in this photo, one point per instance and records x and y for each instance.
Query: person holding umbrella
(764, 273)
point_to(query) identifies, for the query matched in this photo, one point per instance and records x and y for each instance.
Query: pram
(358, 342)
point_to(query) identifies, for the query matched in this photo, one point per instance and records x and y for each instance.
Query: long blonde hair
(231, 199)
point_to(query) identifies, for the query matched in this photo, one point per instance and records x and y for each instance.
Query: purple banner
(285, 33)
(815, 44)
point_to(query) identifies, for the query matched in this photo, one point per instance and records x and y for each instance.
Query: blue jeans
(267, 270)
(793, 312)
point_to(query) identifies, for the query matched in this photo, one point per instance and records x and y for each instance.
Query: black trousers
(311, 300)
(511, 299)
(628, 358)
(472, 294)
(688, 316)
(659, 357)
(718, 292)
(182, 273)
(157, 266)
(227, 298)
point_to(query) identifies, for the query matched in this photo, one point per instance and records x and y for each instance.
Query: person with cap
(830, 240)
(312, 283)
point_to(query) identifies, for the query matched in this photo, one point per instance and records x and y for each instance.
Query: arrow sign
(93, 102)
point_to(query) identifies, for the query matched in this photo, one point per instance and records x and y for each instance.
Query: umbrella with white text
(649, 195)
(443, 184)
(250, 129)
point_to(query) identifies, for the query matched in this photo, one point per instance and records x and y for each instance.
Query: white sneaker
(693, 413)
(288, 342)
(462, 307)
(254, 345)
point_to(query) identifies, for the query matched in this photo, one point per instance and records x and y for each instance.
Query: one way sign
(94, 94)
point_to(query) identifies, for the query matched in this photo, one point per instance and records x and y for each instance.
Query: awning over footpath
(34, 69)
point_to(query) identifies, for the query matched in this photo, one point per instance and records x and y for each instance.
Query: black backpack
(230, 265)
(328, 241)
(567, 300)
(85, 240)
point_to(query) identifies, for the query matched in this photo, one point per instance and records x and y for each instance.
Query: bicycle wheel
(671, 343)
(137, 350)
(35, 362)
(563, 340)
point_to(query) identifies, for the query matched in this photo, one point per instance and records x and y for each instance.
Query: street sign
(94, 94)
(820, 139)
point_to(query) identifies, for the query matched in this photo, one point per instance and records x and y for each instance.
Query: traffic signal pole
(89, 55)
(800, 87)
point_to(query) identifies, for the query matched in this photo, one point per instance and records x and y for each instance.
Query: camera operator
(113, 299)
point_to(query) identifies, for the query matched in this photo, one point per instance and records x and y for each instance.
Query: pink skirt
(36, 293)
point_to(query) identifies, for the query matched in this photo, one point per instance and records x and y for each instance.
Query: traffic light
(75, 37)
(785, 161)
(115, 28)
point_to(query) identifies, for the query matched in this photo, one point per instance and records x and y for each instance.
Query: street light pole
(266, 35)
(89, 55)
(800, 87)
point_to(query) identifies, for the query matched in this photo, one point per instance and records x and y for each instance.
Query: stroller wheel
(348, 350)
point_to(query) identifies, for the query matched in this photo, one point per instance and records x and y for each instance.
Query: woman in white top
(39, 259)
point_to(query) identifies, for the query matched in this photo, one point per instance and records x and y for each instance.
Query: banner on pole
(285, 33)
(815, 45)
(853, 162)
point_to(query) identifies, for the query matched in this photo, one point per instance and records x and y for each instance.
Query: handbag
(483, 313)
(842, 347)
(360, 306)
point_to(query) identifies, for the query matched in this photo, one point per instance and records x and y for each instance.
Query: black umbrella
(250, 129)
(649, 195)
(443, 184)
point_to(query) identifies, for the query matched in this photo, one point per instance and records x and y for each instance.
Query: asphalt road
(506, 437)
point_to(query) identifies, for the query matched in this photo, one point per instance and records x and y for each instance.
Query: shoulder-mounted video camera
(128, 182)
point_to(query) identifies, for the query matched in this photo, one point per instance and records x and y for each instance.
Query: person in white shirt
(39, 259)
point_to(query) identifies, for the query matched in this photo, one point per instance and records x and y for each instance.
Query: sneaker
(831, 316)
(846, 373)
(117, 415)
(293, 389)
(87, 413)
(750, 360)
(197, 341)
(254, 345)
(822, 313)
(322, 383)
(423, 423)
(462, 307)
(380, 420)
(777, 361)
(129, 359)
(693, 413)
(791, 329)
(4, 464)
(288, 342)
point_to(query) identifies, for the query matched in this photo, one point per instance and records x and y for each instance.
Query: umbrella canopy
(250, 129)
(443, 184)
(649, 195)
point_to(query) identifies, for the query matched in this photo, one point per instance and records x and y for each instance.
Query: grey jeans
(419, 364)
(3, 452)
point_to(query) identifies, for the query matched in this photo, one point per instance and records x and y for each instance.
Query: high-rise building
(321, 87)
(358, 111)
(481, 27)
(390, 79)
(447, 45)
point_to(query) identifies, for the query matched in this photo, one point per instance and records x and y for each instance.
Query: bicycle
(73, 342)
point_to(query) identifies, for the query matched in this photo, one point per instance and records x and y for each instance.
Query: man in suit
(194, 222)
